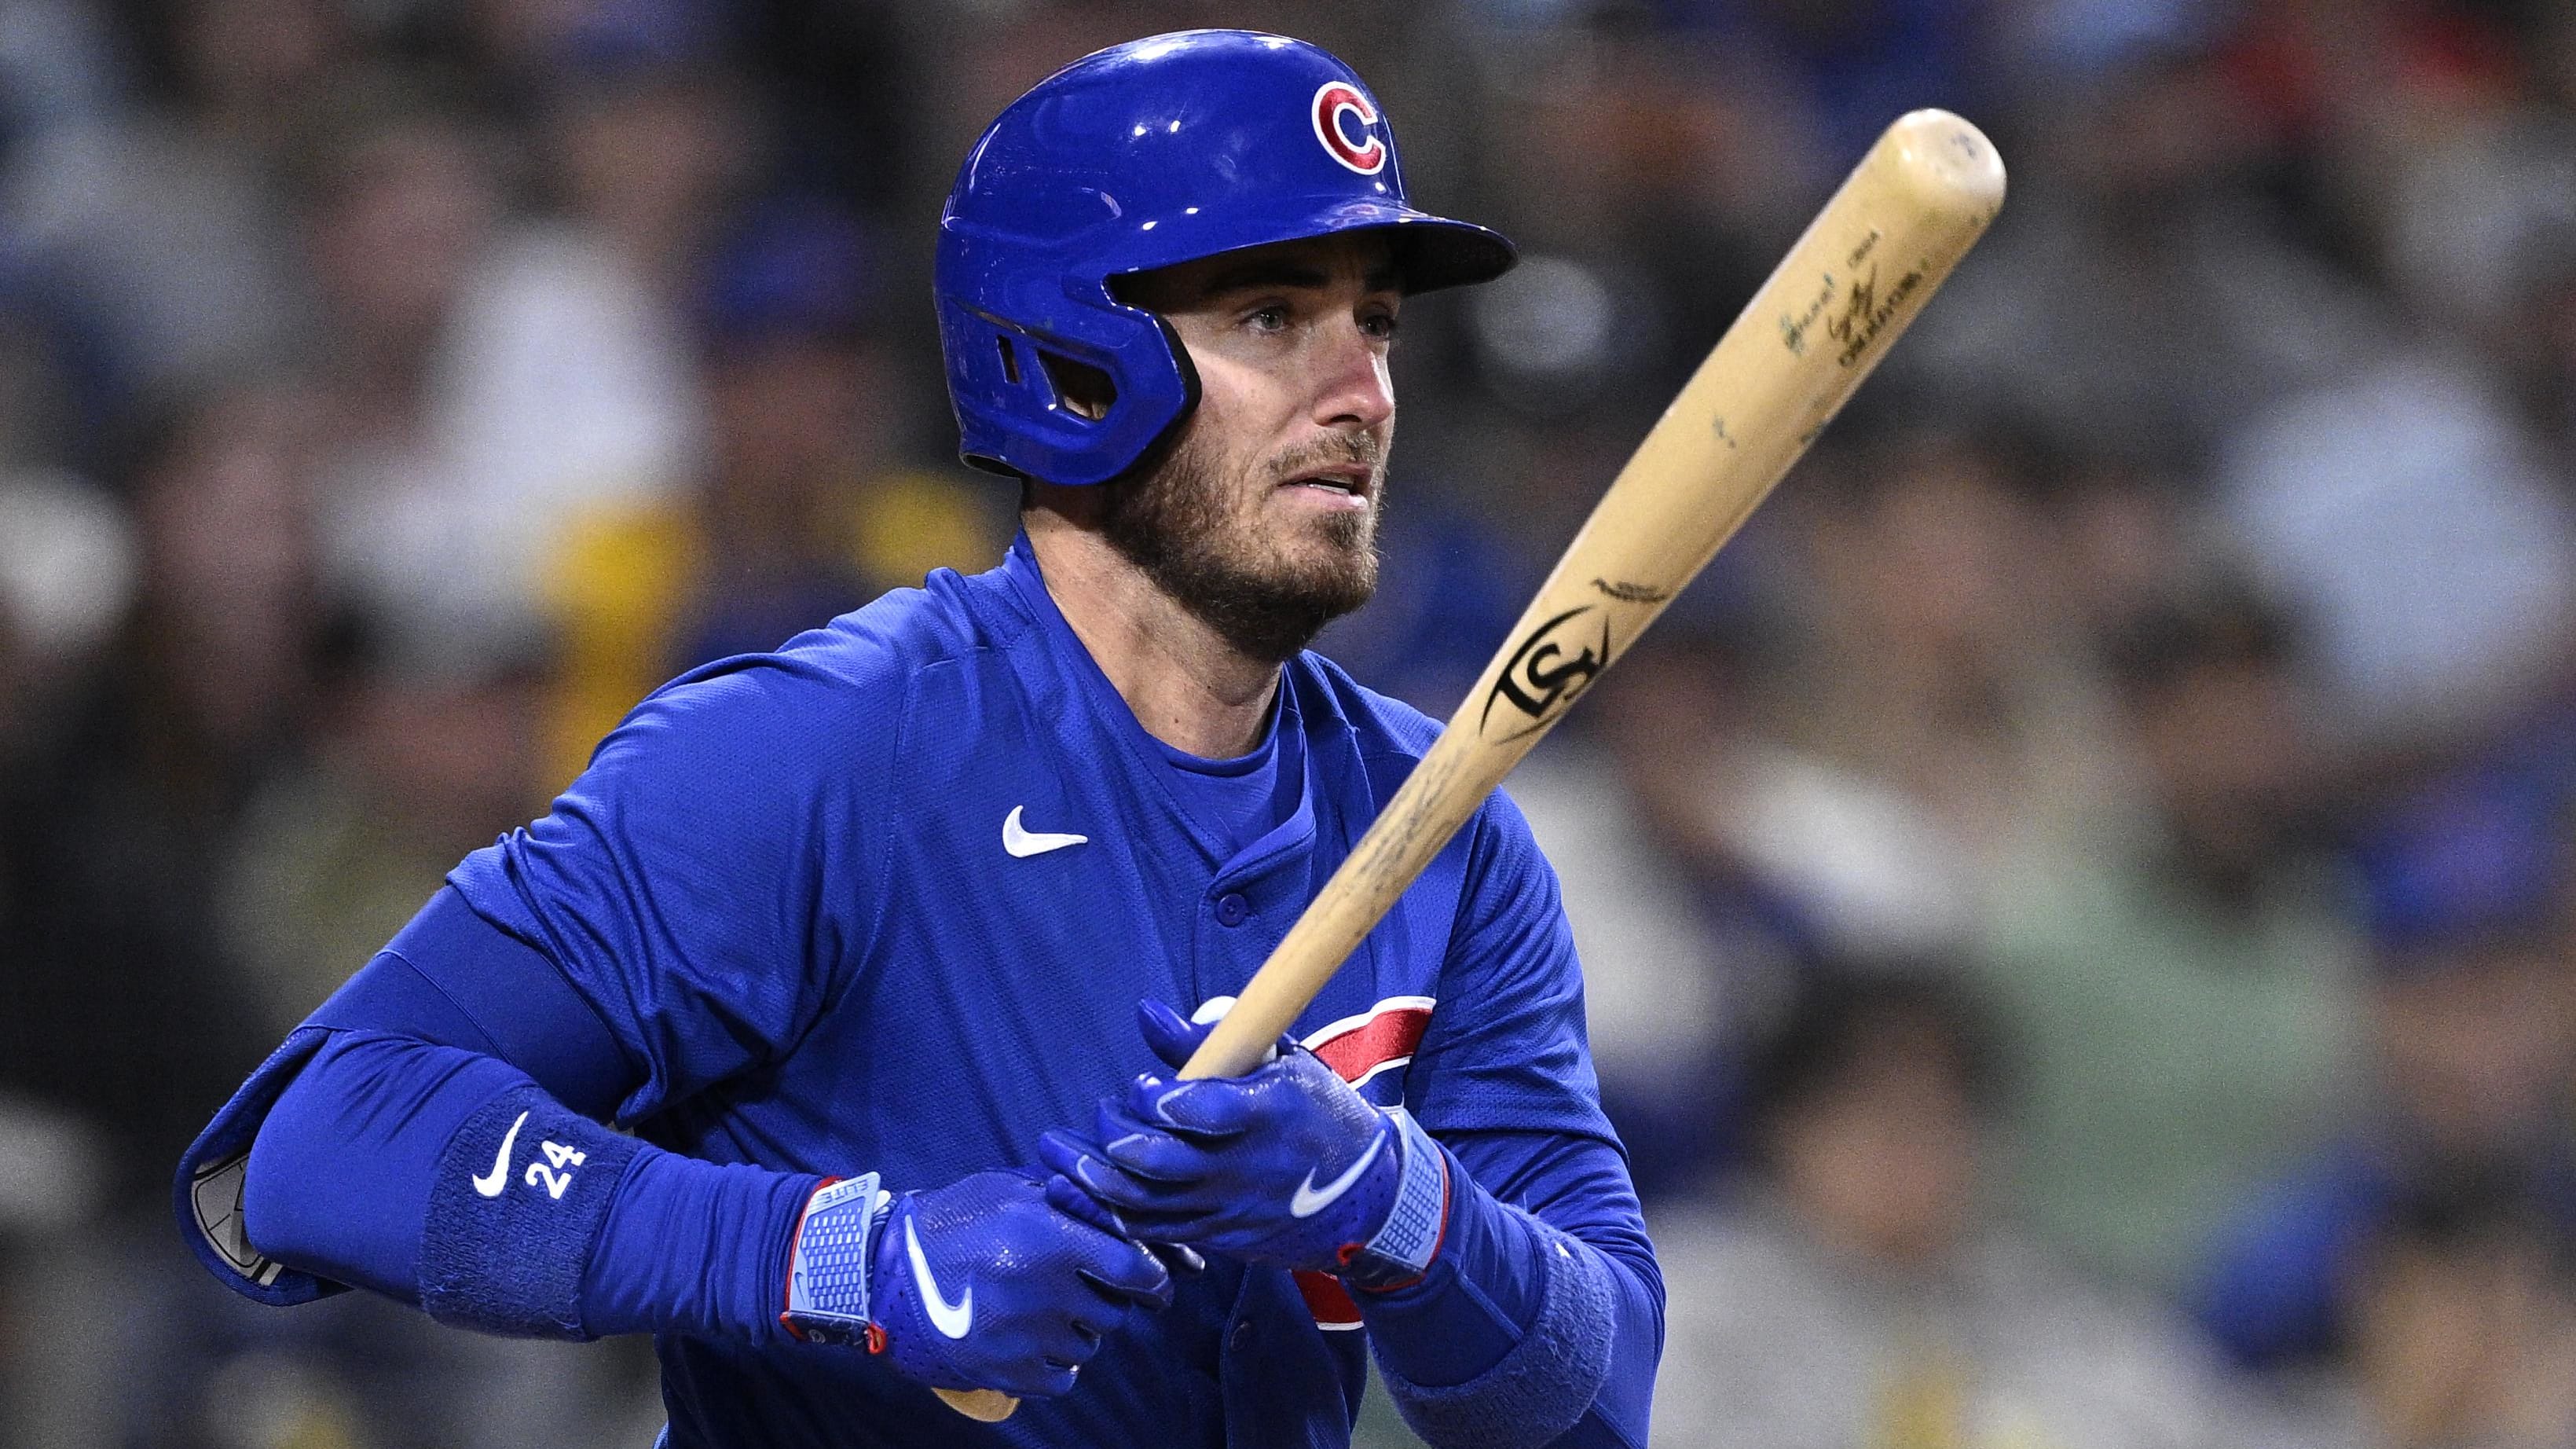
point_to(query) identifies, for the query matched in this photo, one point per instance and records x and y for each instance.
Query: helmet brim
(1431, 252)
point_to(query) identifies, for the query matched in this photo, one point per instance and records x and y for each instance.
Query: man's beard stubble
(1188, 530)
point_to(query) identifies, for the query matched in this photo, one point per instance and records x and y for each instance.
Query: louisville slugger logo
(1542, 676)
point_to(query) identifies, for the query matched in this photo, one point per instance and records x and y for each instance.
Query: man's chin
(1272, 612)
(1328, 566)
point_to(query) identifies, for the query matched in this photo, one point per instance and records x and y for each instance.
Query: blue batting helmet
(1159, 151)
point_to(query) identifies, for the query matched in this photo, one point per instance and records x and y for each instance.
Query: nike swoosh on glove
(979, 1284)
(1287, 1167)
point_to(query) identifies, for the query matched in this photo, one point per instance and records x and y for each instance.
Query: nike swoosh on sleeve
(491, 1186)
(1309, 1200)
(952, 1319)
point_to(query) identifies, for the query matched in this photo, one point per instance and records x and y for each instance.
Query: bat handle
(989, 1406)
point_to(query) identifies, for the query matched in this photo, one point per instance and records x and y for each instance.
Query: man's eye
(1267, 319)
(1381, 326)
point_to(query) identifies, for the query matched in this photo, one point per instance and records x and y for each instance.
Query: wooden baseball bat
(1851, 284)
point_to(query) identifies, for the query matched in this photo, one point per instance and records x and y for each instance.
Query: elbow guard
(213, 1184)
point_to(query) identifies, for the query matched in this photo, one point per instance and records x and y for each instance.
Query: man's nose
(1356, 388)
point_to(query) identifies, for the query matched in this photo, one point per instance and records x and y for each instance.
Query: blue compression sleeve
(452, 977)
(1520, 1334)
(694, 1247)
(448, 1179)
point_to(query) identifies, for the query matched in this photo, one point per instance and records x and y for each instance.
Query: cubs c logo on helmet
(1333, 101)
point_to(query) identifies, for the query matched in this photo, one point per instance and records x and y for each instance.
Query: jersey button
(1232, 909)
(1242, 1335)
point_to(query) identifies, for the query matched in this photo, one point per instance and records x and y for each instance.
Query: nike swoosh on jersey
(1024, 843)
(1309, 1200)
(952, 1319)
(491, 1186)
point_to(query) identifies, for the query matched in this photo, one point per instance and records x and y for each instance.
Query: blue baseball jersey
(885, 899)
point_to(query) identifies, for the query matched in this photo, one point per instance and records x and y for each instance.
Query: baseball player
(852, 940)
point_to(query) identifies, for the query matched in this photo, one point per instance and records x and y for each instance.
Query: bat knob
(986, 1406)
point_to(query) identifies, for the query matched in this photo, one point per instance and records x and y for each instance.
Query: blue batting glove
(1179, 1259)
(976, 1285)
(1287, 1167)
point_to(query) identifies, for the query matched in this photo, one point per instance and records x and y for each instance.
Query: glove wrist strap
(1402, 1250)
(827, 1268)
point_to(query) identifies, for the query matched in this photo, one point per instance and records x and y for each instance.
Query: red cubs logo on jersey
(1342, 118)
(1377, 1040)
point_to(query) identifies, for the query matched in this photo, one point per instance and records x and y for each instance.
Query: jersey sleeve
(1504, 1075)
(1505, 1051)
(680, 884)
(663, 928)
(1543, 1320)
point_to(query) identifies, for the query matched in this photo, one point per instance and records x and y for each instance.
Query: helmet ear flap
(1150, 453)
(1078, 405)
(1082, 390)
(1088, 393)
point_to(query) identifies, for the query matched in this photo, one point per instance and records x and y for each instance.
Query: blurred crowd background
(2077, 903)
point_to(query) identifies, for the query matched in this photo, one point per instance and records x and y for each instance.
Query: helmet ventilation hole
(1010, 360)
(1081, 389)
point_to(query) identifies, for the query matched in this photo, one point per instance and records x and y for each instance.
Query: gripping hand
(1287, 1167)
(979, 1284)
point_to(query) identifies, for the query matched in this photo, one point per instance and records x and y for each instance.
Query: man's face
(1262, 519)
